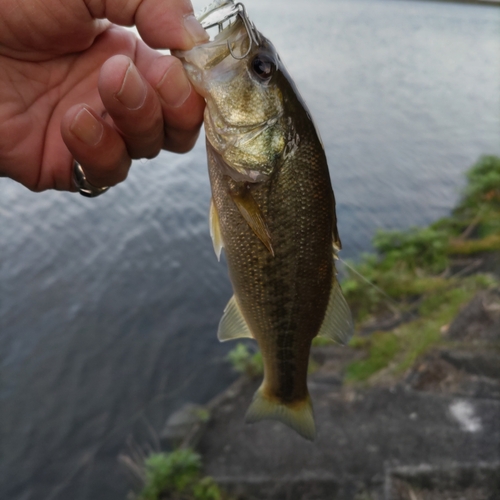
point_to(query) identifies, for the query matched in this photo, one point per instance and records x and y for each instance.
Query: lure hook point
(251, 32)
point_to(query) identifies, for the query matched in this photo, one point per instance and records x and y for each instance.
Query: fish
(272, 211)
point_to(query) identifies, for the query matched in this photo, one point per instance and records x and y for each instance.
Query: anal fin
(232, 324)
(337, 324)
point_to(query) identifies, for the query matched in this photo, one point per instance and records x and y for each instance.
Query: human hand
(75, 85)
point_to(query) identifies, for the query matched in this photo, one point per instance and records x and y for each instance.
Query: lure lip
(217, 13)
(221, 11)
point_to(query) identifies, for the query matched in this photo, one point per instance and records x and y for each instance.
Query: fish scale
(284, 296)
(273, 212)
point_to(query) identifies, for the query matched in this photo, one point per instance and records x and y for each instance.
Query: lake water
(109, 307)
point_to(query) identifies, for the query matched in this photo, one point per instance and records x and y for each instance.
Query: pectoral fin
(252, 214)
(232, 324)
(215, 230)
(337, 324)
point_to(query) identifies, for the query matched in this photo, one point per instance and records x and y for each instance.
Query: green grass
(412, 263)
(416, 248)
(424, 333)
(398, 350)
(246, 362)
(382, 348)
(483, 185)
(322, 341)
(177, 476)
(489, 243)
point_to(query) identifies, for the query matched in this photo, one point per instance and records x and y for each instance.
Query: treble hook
(250, 32)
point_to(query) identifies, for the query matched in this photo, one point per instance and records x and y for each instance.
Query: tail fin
(298, 416)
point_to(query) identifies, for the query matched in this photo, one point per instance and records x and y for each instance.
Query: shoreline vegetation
(419, 279)
(426, 275)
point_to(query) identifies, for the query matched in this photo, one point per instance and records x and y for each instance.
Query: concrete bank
(433, 435)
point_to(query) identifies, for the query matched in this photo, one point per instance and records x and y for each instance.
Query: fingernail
(133, 92)
(87, 128)
(174, 88)
(195, 30)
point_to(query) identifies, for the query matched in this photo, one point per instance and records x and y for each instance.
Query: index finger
(161, 23)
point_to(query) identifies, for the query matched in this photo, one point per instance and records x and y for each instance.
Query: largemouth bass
(272, 210)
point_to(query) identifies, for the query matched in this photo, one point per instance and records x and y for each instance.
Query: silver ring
(83, 185)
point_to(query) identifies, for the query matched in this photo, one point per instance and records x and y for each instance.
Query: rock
(479, 319)
(476, 363)
(482, 262)
(433, 373)
(472, 374)
(388, 321)
(183, 422)
(357, 436)
(329, 364)
(473, 481)
(307, 487)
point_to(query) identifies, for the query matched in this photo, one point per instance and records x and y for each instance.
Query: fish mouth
(234, 38)
(215, 53)
(214, 60)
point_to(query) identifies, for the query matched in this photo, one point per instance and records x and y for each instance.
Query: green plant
(398, 350)
(373, 286)
(489, 243)
(407, 274)
(203, 414)
(423, 248)
(177, 475)
(382, 349)
(483, 184)
(436, 310)
(408, 264)
(207, 489)
(244, 361)
(169, 471)
(322, 341)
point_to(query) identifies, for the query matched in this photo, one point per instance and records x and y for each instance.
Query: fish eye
(263, 66)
